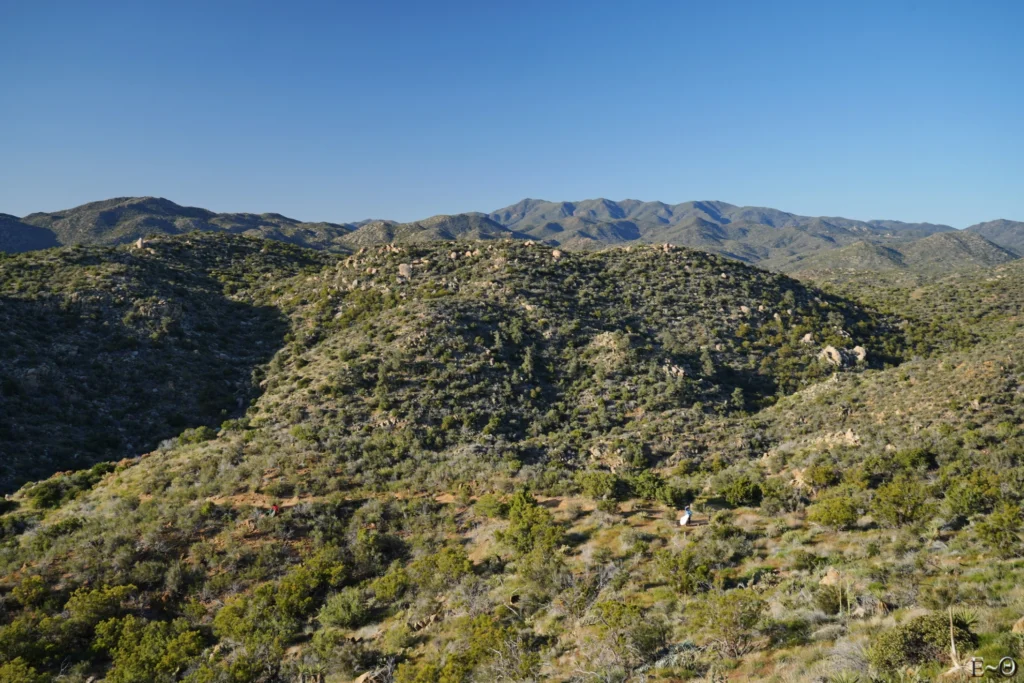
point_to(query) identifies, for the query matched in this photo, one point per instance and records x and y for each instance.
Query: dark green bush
(920, 640)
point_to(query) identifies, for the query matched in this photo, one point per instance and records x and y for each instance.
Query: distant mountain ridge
(770, 238)
(1008, 234)
(125, 219)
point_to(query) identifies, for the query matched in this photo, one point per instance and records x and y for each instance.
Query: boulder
(556, 254)
(1018, 626)
(405, 270)
(842, 358)
(832, 577)
(807, 339)
(832, 356)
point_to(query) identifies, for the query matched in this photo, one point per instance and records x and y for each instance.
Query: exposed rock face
(1018, 626)
(841, 358)
(675, 371)
(832, 577)
(832, 356)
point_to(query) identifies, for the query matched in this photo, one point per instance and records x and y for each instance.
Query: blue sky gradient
(342, 111)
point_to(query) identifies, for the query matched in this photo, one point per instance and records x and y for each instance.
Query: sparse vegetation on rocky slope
(464, 462)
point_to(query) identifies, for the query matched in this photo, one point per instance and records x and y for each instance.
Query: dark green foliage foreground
(478, 452)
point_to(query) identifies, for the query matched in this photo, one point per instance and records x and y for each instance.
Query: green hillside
(934, 255)
(458, 227)
(106, 352)
(465, 461)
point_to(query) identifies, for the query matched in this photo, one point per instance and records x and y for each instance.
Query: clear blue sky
(341, 111)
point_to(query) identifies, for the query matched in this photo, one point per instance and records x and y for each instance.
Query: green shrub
(901, 502)
(918, 641)
(345, 609)
(87, 607)
(31, 592)
(729, 620)
(838, 511)
(685, 571)
(829, 599)
(975, 492)
(635, 635)
(822, 475)
(147, 651)
(490, 505)
(740, 489)
(198, 435)
(530, 526)
(390, 587)
(444, 568)
(18, 671)
(601, 485)
(1000, 531)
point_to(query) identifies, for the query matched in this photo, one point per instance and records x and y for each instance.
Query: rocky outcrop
(843, 358)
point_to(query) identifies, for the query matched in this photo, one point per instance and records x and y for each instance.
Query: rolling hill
(126, 219)
(936, 254)
(463, 460)
(1007, 234)
(767, 237)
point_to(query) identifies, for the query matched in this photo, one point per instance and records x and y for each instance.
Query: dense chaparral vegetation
(464, 461)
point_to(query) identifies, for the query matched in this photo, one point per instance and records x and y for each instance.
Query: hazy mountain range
(771, 238)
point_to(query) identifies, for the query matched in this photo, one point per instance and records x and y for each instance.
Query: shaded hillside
(16, 237)
(1007, 234)
(106, 352)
